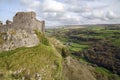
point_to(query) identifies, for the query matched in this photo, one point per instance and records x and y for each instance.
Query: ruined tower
(20, 32)
(25, 21)
(28, 21)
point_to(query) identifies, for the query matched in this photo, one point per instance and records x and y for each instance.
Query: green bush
(65, 52)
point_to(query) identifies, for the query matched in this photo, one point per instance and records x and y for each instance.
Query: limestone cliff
(20, 32)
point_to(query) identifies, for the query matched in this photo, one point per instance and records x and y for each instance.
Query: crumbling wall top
(24, 16)
(24, 20)
(1, 23)
(8, 22)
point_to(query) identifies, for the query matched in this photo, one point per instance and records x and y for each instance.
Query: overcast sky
(65, 12)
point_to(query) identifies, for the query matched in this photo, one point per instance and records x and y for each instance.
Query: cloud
(112, 15)
(101, 15)
(63, 12)
(52, 6)
(78, 8)
(31, 4)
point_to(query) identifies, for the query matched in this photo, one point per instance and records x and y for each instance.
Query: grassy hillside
(42, 60)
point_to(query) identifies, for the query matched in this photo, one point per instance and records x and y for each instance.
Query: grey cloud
(102, 16)
(79, 8)
(75, 11)
(112, 15)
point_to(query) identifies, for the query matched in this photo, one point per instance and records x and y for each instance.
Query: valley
(96, 45)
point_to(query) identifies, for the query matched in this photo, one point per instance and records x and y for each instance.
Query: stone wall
(20, 32)
(25, 21)
(1, 23)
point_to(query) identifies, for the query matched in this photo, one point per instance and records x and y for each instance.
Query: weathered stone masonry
(20, 32)
(24, 20)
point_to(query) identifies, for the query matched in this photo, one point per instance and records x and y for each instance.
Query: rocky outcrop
(20, 32)
(20, 38)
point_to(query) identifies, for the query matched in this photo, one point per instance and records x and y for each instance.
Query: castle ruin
(23, 20)
(20, 32)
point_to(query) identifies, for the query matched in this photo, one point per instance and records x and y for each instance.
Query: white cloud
(112, 15)
(60, 12)
(79, 8)
(52, 6)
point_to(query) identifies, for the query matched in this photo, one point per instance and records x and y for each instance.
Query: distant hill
(83, 26)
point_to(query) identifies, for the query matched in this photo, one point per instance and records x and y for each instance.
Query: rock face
(20, 32)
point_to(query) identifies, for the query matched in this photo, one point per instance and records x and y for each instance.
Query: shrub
(42, 37)
(65, 52)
